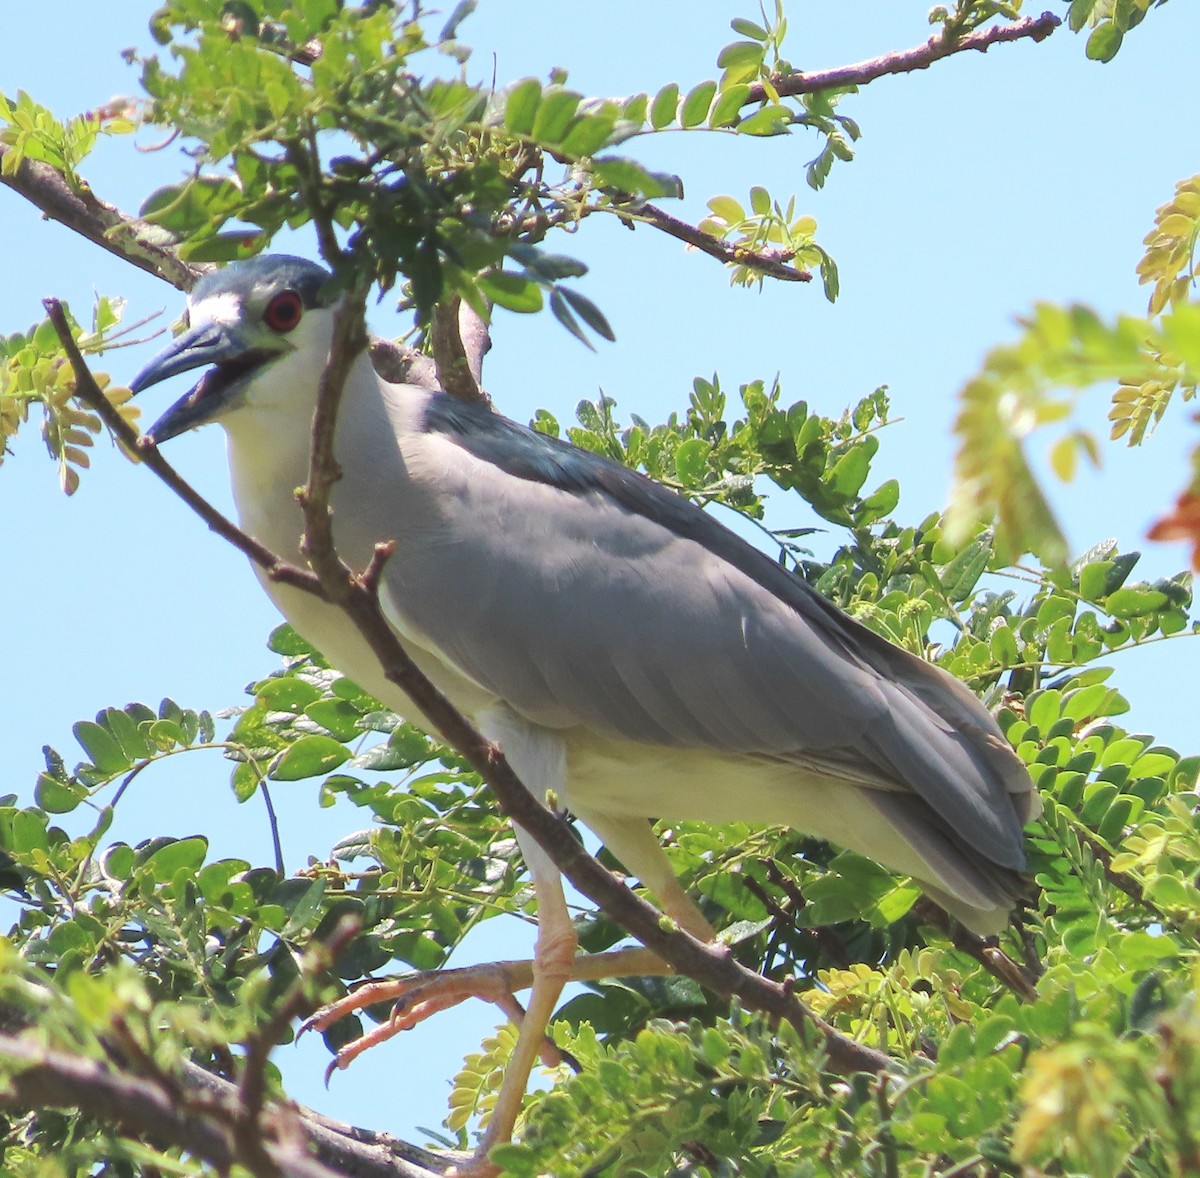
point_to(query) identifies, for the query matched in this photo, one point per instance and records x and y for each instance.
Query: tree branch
(770, 263)
(902, 61)
(198, 1112)
(128, 237)
(460, 340)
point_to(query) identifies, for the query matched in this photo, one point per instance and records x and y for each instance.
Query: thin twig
(273, 822)
(252, 1088)
(771, 263)
(902, 61)
(148, 454)
(1002, 967)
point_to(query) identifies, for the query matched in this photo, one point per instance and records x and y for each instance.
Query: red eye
(283, 311)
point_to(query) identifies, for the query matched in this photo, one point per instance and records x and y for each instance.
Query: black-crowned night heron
(625, 650)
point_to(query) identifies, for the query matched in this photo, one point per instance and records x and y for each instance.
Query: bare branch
(136, 241)
(460, 340)
(348, 1149)
(197, 1112)
(902, 61)
(770, 263)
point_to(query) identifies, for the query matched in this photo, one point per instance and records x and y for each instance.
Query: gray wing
(586, 595)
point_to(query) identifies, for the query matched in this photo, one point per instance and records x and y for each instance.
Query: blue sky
(981, 186)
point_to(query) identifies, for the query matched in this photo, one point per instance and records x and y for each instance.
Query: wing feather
(589, 597)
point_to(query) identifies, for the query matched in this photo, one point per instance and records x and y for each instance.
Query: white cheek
(224, 308)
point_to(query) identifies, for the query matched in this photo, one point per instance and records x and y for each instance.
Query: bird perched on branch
(625, 650)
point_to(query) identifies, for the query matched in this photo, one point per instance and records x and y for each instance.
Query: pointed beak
(230, 358)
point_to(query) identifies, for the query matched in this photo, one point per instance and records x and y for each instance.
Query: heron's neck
(270, 444)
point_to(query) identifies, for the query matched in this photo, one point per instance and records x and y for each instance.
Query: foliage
(153, 957)
(34, 371)
(1061, 353)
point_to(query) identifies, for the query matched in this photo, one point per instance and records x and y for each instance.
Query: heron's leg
(634, 843)
(553, 967)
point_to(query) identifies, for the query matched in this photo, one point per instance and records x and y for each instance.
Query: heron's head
(240, 323)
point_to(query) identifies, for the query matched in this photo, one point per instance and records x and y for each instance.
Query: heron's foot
(419, 996)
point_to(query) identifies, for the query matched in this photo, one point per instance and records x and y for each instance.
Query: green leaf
(337, 716)
(176, 855)
(589, 134)
(305, 908)
(57, 796)
(125, 731)
(513, 292)
(960, 576)
(101, 746)
(729, 104)
(284, 640)
(520, 108)
(879, 504)
(1132, 603)
(728, 209)
(850, 471)
(554, 115)
(286, 693)
(563, 313)
(741, 59)
(1093, 579)
(770, 120)
(245, 781)
(1104, 42)
(224, 247)
(748, 28)
(588, 312)
(664, 106)
(629, 176)
(310, 756)
(29, 832)
(1044, 709)
(696, 104)
(691, 461)
(1003, 645)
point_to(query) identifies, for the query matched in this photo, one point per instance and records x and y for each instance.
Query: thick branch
(131, 239)
(199, 1116)
(139, 1108)
(902, 61)
(398, 364)
(460, 340)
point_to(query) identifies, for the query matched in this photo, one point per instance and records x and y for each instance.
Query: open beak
(230, 358)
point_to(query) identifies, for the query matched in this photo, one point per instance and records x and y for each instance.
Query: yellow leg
(553, 967)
